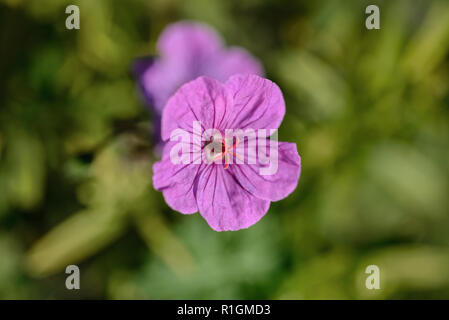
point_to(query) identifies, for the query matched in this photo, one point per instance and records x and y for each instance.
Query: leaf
(77, 238)
(24, 168)
(310, 78)
(430, 45)
(117, 185)
(405, 268)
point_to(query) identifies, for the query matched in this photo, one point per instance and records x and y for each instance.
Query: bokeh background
(367, 109)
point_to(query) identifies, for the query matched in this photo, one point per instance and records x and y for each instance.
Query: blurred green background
(367, 109)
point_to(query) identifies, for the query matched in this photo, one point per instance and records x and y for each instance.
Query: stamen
(226, 161)
(228, 152)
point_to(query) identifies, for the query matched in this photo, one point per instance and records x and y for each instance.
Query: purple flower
(189, 50)
(228, 194)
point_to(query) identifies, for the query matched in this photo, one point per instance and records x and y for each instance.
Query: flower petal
(189, 50)
(278, 185)
(159, 81)
(188, 42)
(233, 61)
(184, 47)
(258, 103)
(223, 202)
(203, 99)
(177, 182)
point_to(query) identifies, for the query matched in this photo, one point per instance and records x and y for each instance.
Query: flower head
(189, 50)
(229, 169)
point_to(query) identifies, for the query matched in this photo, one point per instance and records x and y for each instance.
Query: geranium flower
(229, 194)
(189, 50)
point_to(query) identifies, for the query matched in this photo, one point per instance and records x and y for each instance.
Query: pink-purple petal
(189, 50)
(232, 61)
(271, 187)
(257, 103)
(188, 42)
(204, 100)
(159, 81)
(177, 182)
